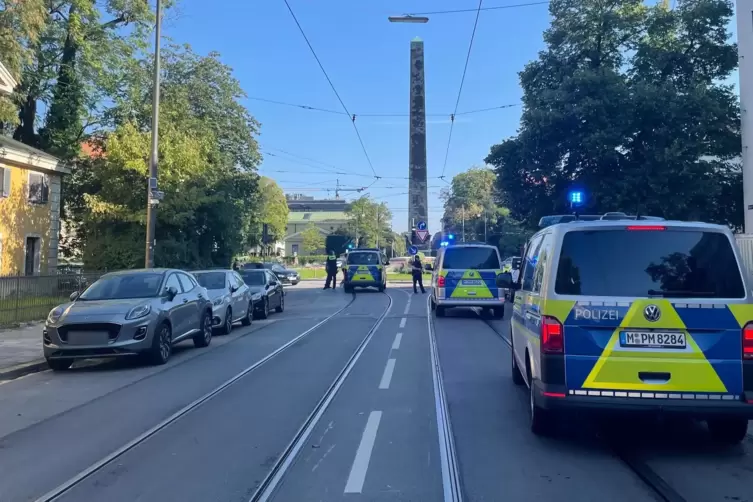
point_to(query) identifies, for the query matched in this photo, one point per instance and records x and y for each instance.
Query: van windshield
(671, 263)
(474, 258)
(363, 259)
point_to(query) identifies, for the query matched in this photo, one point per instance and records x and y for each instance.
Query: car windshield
(211, 280)
(253, 278)
(474, 258)
(667, 263)
(363, 259)
(122, 286)
(270, 266)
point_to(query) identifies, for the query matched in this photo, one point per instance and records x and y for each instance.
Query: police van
(366, 268)
(628, 314)
(465, 275)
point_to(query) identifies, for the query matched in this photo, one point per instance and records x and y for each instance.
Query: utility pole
(463, 219)
(485, 238)
(153, 195)
(377, 227)
(745, 58)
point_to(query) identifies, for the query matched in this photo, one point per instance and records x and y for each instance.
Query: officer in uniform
(418, 271)
(331, 268)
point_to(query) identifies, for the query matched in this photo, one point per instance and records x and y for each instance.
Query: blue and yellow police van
(465, 275)
(626, 314)
(366, 268)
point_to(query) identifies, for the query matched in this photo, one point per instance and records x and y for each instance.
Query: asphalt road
(337, 398)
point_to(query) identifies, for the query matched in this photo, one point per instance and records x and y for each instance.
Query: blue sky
(367, 59)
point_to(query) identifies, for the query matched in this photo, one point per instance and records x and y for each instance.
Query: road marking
(389, 368)
(402, 322)
(396, 343)
(363, 454)
(407, 306)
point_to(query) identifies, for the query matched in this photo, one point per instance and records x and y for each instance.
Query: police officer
(418, 271)
(236, 265)
(331, 268)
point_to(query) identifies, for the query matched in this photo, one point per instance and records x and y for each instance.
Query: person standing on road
(236, 265)
(418, 271)
(331, 268)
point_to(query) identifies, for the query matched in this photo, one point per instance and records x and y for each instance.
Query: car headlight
(55, 314)
(139, 312)
(256, 297)
(218, 301)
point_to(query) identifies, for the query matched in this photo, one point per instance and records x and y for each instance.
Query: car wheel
(517, 375)
(59, 364)
(228, 326)
(541, 419)
(440, 311)
(281, 307)
(264, 309)
(246, 321)
(162, 344)
(204, 337)
(729, 431)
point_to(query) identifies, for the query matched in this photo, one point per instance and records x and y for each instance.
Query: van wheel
(440, 311)
(517, 375)
(729, 431)
(541, 419)
(499, 312)
(433, 304)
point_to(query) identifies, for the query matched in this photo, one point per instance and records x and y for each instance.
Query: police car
(628, 314)
(465, 275)
(366, 268)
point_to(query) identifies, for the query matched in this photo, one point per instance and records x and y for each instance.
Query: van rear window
(664, 263)
(476, 258)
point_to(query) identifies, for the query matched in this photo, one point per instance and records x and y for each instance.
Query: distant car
(231, 298)
(266, 290)
(135, 312)
(285, 275)
(253, 265)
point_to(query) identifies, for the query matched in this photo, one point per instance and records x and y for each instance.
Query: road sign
(421, 225)
(413, 250)
(422, 234)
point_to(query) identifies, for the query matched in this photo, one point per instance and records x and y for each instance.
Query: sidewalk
(21, 350)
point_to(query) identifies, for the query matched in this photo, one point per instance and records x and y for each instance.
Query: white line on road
(387, 375)
(407, 306)
(363, 454)
(402, 322)
(396, 343)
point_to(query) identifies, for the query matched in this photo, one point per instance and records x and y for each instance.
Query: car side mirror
(233, 289)
(504, 281)
(171, 293)
(516, 263)
(74, 296)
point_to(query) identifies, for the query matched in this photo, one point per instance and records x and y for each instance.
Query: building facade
(328, 216)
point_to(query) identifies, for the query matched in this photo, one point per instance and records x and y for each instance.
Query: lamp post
(153, 195)
(407, 18)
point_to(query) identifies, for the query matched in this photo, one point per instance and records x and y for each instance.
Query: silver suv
(134, 312)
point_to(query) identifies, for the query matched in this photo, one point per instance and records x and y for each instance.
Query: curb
(23, 369)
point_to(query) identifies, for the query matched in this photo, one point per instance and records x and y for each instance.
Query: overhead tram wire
(460, 90)
(459, 11)
(345, 108)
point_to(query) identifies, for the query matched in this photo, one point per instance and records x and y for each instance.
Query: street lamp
(408, 19)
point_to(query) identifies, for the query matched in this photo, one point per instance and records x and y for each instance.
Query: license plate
(652, 339)
(472, 282)
(88, 337)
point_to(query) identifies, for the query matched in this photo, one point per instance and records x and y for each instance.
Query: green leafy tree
(274, 208)
(313, 240)
(369, 222)
(628, 103)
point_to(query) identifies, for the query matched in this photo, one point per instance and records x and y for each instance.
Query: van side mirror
(504, 281)
(516, 263)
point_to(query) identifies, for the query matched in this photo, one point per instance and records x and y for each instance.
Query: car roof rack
(554, 219)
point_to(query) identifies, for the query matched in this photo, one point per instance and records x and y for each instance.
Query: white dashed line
(396, 343)
(387, 375)
(402, 322)
(407, 306)
(363, 454)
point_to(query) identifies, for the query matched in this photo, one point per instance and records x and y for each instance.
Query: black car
(266, 291)
(285, 275)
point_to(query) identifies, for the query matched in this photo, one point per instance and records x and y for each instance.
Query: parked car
(129, 313)
(284, 275)
(231, 298)
(266, 290)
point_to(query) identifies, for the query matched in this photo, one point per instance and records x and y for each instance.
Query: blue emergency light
(444, 243)
(451, 236)
(575, 197)
(350, 246)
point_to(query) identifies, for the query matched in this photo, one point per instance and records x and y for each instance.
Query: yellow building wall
(19, 219)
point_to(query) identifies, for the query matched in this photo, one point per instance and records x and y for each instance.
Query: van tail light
(552, 336)
(440, 282)
(748, 341)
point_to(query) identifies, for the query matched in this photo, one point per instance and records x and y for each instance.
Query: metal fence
(745, 246)
(30, 298)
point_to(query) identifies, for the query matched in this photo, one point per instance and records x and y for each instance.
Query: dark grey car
(128, 313)
(266, 290)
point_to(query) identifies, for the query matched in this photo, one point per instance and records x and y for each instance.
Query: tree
(273, 210)
(313, 240)
(369, 222)
(397, 244)
(627, 103)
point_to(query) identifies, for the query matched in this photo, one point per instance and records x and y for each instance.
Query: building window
(5, 181)
(295, 248)
(32, 255)
(39, 189)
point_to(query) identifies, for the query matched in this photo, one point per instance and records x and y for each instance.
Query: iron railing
(30, 298)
